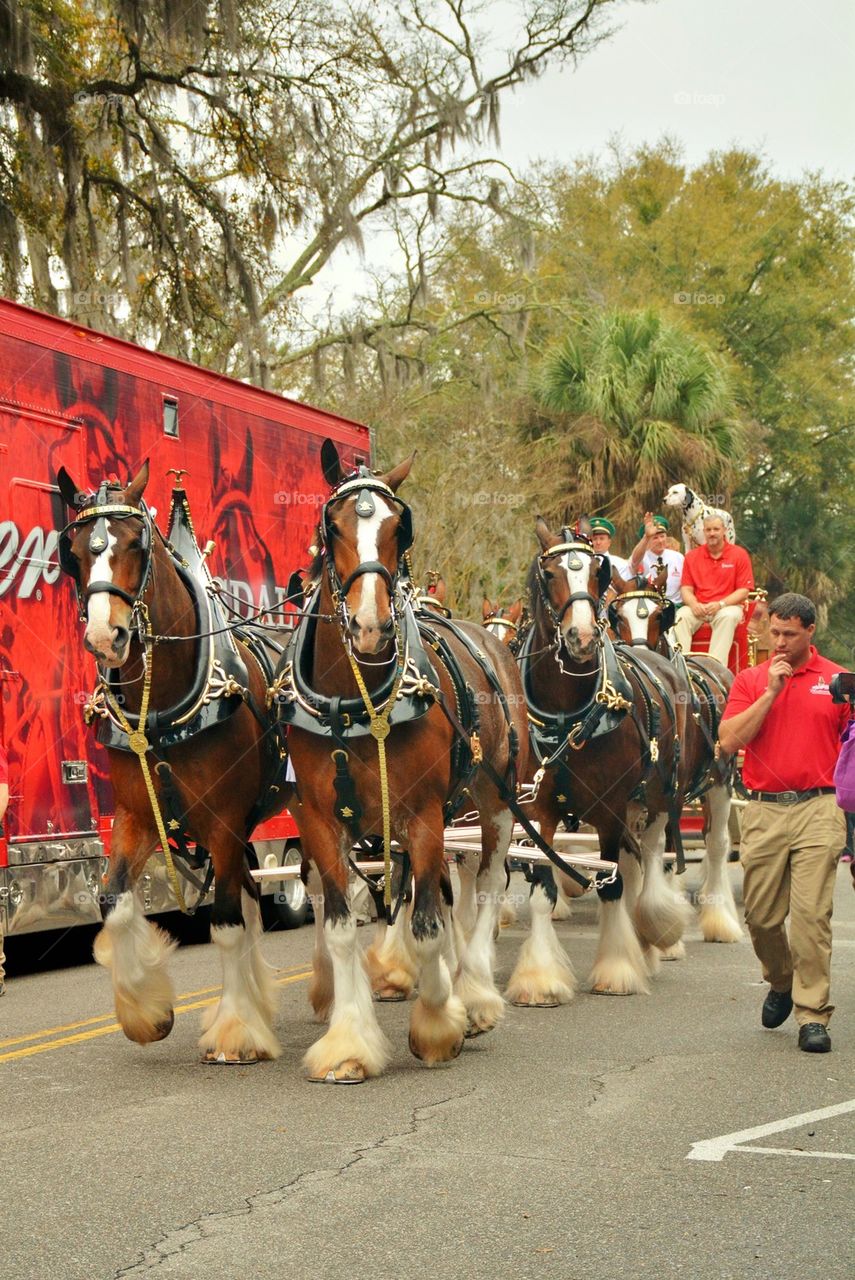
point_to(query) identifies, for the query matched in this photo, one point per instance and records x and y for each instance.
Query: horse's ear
(398, 474)
(486, 609)
(515, 611)
(136, 487)
(294, 593)
(439, 590)
(668, 612)
(620, 584)
(545, 536)
(69, 490)
(583, 527)
(331, 464)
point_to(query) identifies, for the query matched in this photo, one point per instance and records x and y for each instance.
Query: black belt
(789, 797)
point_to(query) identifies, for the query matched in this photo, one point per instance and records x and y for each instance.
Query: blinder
(669, 612)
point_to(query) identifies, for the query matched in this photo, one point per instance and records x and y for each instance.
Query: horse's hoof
(163, 1028)
(349, 1072)
(474, 1029)
(535, 1002)
(607, 991)
(454, 1051)
(389, 995)
(214, 1059)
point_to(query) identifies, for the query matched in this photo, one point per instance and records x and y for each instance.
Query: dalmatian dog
(695, 511)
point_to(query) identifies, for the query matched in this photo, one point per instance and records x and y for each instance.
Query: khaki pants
(723, 626)
(789, 858)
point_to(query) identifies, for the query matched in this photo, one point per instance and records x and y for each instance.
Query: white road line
(794, 1151)
(717, 1148)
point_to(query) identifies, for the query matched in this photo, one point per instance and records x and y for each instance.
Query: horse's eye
(135, 545)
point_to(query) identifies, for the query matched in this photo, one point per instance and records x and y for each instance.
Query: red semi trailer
(98, 406)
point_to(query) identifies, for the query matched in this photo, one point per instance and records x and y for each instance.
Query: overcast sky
(769, 75)
(775, 75)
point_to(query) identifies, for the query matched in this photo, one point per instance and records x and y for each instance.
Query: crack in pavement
(208, 1225)
(600, 1082)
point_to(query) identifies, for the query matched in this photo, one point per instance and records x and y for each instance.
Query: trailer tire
(288, 906)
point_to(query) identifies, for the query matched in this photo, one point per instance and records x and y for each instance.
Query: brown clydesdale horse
(122, 568)
(643, 617)
(613, 764)
(358, 612)
(503, 620)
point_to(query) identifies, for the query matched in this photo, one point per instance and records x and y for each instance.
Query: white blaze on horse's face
(579, 625)
(372, 619)
(100, 631)
(636, 615)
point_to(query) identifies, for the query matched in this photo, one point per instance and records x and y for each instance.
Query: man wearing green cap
(651, 548)
(602, 532)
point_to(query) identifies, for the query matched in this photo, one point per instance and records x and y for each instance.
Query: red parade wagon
(98, 406)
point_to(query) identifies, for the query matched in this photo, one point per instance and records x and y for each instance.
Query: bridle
(99, 512)
(364, 484)
(575, 549)
(650, 600)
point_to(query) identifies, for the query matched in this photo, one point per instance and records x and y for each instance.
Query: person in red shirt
(4, 801)
(782, 713)
(716, 581)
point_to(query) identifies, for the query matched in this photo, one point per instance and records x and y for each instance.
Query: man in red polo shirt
(792, 830)
(717, 578)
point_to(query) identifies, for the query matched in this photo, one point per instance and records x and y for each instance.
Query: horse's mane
(531, 586)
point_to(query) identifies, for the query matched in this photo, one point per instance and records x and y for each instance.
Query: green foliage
(640, 400)
(752, 273)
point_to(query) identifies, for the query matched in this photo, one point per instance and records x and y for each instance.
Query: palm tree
(641, 404)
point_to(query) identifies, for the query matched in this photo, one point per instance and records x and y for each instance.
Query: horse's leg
(678, 950)
(507, 908)
(474, 983)
(438, 1018)
(466, 906)
(353, 1047)
(619, 968)
(629, 865)
(321, 986)
(660, 916)
(718, 916)
(131, 947)
(391, 966)
(543, 976)
(561, 910)
(239, 1028)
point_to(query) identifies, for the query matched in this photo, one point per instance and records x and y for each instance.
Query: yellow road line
(113, 1027)
(104, 1017)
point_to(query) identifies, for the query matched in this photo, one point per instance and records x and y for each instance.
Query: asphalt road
(556, 1146)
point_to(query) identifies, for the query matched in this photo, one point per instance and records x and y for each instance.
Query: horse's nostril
(120, 639)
